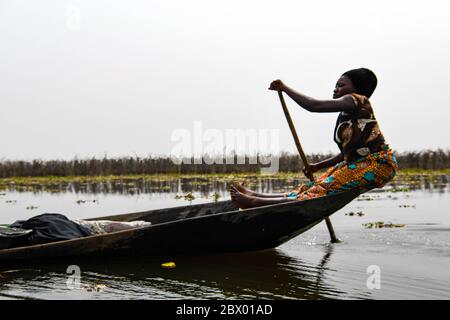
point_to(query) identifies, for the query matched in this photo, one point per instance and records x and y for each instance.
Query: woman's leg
(245, 201)
(373, 171)
(240, 187)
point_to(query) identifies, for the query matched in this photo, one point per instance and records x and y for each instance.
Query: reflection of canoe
(204, 228)
(214, 276)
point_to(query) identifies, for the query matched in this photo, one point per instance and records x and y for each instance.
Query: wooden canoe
(204, 228)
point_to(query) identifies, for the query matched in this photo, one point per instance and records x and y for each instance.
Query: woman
(365, 161)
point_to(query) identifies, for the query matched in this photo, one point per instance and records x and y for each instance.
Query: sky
(137, 78)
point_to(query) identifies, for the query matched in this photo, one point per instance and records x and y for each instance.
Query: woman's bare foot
(240, 187)
(240, 199)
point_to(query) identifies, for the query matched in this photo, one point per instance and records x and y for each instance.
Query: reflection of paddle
(308, 171)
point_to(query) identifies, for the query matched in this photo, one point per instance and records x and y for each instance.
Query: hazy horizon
(88, 78)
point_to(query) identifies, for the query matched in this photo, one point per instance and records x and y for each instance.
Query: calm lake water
(410, 262)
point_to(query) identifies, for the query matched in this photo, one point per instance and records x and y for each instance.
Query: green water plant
(189, 196)
(351, 214)
(216, 196)
(381, 224)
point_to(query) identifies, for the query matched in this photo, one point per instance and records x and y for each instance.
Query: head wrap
(364, 81)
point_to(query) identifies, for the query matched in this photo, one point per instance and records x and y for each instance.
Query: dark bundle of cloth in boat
(45, 228)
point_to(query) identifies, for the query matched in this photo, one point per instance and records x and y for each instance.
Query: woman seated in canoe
(365, 161)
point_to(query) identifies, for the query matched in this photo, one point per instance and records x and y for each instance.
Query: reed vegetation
(288, 162)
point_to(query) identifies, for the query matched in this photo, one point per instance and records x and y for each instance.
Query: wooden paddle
(308, 171)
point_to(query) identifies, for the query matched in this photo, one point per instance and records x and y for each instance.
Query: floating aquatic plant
(93, 287)
(215, 196)
(381, 224)
(404, 189)
(189, 196)
(407, 206)
(84, 201)
(351, 214)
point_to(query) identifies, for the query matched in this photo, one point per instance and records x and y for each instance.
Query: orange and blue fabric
(371, 171)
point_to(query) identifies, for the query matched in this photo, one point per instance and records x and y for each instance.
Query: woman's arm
(327, 163)
(345, 103)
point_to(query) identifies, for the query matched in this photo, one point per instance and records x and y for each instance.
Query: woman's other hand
(277, 85)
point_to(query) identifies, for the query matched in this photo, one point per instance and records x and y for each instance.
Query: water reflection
(141, 186)
(205, 186)
(268, 274)
(421, 182)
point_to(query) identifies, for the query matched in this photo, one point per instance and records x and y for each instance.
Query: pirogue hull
(204, 228)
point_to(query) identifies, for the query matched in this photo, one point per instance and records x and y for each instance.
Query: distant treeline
(288, 162)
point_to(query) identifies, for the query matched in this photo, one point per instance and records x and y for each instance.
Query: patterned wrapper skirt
(372, 171)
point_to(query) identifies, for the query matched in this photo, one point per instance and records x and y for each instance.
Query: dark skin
(342, 101)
